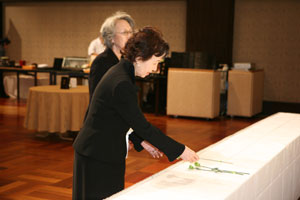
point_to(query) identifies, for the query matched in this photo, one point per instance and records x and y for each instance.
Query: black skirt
(93, 179)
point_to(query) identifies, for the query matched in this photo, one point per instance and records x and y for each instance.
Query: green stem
(197, 166)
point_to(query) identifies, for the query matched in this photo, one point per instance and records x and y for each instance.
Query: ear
(111, 38)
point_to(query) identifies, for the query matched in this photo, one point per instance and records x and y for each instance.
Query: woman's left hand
(154, 152)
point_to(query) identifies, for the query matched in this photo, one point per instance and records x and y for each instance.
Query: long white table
(268, 150)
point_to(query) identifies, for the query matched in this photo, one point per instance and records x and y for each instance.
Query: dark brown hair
(145, 43)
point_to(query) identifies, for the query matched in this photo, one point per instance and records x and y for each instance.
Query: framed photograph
(74, 62)
(64, 84)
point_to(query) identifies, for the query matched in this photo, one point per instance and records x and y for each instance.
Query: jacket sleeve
(136, 140)
(125, 103)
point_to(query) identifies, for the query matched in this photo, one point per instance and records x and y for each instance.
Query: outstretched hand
(154, 152)
(189, 155)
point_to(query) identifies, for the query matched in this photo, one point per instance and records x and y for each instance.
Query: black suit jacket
(102, 63)
(113, 110)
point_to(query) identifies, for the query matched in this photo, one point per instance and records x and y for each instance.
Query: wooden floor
(33, 168)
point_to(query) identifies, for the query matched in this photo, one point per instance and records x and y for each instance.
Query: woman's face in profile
(144, 68)
(123, 32)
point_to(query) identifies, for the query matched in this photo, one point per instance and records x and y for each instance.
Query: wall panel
(41, 31)
(267, 34)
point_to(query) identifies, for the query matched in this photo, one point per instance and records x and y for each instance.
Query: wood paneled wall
(210, 27)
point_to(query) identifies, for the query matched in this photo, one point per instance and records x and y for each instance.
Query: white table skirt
(26, 81)
(268, 150)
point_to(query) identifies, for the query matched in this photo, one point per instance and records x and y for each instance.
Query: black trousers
(93, 179)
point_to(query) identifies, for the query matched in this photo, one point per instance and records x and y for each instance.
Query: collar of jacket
(111, 53)
(129, 68)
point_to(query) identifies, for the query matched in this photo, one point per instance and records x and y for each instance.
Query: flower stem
(197, 166)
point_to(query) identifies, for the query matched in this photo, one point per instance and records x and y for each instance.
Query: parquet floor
(33, 168)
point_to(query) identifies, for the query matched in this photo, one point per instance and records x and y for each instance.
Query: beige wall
(267, 32)
(41, 31)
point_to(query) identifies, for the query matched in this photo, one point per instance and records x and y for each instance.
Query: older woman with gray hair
(115, 32)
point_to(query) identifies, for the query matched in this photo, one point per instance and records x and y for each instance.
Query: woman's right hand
(155, 153)
(189, 155)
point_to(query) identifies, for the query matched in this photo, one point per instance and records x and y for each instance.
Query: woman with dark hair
(101, 147)
(115, 32)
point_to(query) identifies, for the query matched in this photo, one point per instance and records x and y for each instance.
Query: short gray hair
(107, 29)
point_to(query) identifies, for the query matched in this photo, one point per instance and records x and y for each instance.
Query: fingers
(194, 158)
(189, 155)
(154, 152)
(191, 158)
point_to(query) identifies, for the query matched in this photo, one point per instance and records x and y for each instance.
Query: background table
(53, 73)
(52, 109)
(268, 150)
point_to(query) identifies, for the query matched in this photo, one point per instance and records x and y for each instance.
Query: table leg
(54, 77)
(35, 78)
(18, 85)
(50, 78)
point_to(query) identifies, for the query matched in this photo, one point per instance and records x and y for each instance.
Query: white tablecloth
(268, 150)
(26, 81)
